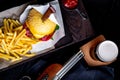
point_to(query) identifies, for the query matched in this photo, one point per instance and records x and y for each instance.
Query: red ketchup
(70, 4)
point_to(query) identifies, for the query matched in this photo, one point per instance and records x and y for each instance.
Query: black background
(104, 16)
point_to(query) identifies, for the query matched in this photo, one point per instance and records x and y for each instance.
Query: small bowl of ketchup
(73, 5)
(70, 4)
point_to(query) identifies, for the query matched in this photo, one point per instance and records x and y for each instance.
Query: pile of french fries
(14, 44)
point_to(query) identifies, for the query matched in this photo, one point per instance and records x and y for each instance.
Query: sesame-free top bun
(37, 27)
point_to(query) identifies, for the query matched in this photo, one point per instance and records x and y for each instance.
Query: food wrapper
(55, 17)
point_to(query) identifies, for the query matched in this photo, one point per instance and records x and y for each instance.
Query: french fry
(5, 46)
(18, 23)
(16, 55)
(14, 44)
(5, 27)
(20, 36)
(28, 49)
(1, 50)
(11, 27)
(0, 31)
(16, 59)
(30, 55)
(10, 34)
(18, 28)
(15, 33)
(7, 56)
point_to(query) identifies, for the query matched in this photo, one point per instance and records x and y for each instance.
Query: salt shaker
(106, 51)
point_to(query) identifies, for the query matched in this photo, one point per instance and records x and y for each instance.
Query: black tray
(76, 30)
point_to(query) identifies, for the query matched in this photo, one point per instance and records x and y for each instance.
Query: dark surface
(103, 15)
(6, 4)
(76, 28)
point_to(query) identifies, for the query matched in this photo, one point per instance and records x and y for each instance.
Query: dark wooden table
(76, 28)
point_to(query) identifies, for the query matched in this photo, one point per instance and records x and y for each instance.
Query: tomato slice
(47, 37)
(28, 33)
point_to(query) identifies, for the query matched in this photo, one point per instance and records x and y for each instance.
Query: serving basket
(77, 32)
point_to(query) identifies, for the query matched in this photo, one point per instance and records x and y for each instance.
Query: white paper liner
(56, 17)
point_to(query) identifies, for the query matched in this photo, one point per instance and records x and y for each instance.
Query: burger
(37, 28)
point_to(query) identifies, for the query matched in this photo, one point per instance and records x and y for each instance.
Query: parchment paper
(56, 17)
